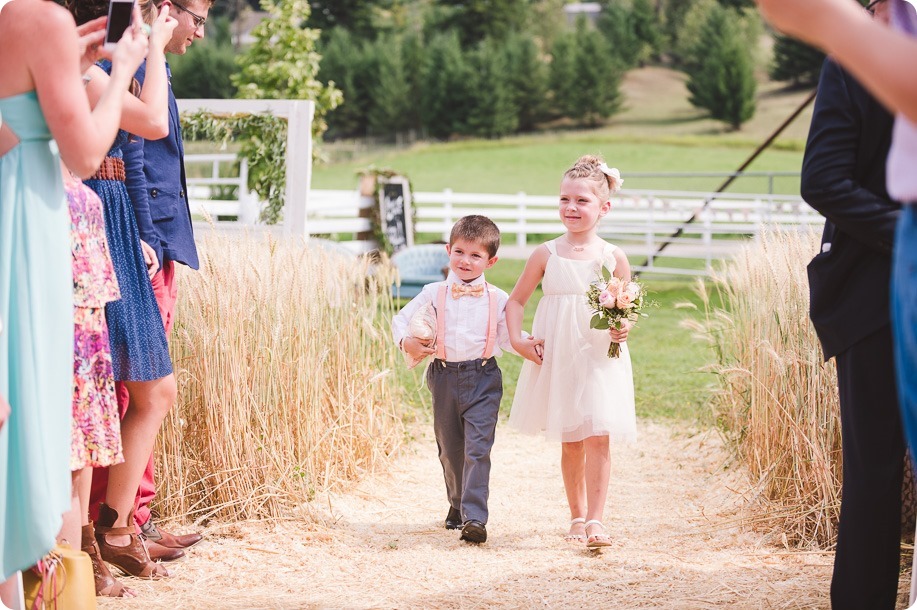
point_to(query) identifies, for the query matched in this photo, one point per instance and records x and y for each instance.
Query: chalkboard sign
(395, 212)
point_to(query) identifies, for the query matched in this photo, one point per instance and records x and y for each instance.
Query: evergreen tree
(796, 62)
(724, 81)
(616, 23)
(596, 91)
(674, 13)
(633, 30)
(562, 74)
(647, 30)
(413, 56)
(282, 62)
(343, 65)
(527, 79)
(445, 100)
(389, 112)
(475, 20)
(353, 15)
(492, 112)
(546, 21)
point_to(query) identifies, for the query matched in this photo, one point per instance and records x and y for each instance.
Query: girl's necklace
(574, 246)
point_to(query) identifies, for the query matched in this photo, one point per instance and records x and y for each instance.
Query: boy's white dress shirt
(466, 320)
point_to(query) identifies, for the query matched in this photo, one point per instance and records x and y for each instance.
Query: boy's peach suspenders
(441, 323)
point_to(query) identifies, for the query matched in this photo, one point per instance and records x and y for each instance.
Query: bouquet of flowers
(612, 301)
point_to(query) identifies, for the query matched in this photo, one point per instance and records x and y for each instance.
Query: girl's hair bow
(615, 180)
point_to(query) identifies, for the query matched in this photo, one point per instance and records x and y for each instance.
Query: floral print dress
(96, 429)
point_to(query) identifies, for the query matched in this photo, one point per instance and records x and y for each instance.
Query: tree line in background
(445, 68)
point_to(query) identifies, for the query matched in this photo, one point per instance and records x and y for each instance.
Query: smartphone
(120, 13)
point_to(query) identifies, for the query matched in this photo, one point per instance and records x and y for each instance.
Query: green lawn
(535, 164)
(666, 358)
(658, 131)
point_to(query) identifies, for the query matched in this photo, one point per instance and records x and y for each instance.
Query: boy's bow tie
(470, 290)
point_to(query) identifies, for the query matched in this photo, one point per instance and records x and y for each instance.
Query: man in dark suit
(843, 177)
(156, 183)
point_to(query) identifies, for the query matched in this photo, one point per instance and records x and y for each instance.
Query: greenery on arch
(263, 141)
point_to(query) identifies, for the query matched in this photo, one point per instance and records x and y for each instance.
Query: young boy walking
(466, 382)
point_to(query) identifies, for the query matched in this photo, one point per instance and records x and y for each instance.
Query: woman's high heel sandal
(132, 559)
(106, 585)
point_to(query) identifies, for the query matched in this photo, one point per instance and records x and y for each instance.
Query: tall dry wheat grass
(778, 405)
(283, 362)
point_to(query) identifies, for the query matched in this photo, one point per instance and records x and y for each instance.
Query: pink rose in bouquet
(613, 301)
(607, 299)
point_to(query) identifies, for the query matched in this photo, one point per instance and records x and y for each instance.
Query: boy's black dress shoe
(454, 519)
(474, 531)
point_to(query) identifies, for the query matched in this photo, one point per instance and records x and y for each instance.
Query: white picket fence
(641, 220)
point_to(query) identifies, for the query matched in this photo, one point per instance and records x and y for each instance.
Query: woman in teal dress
(46, 117)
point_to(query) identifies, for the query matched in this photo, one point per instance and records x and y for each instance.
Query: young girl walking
(571, 390)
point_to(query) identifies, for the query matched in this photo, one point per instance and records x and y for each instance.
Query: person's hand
(4, 411)
(163, 26)
(415, 348)
(91, 34)
(149, 257)
(530, 348)
(620, 335)
(797, 17)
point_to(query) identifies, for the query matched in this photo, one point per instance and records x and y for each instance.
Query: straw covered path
(671, 514)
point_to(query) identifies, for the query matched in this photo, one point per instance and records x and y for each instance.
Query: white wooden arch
(299, 115)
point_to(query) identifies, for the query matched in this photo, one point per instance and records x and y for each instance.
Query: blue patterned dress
(139, 350)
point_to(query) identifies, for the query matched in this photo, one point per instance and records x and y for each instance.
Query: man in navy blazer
(156, 183)
(843, 177)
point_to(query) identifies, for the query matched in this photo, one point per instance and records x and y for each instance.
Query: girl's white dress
(578, 391)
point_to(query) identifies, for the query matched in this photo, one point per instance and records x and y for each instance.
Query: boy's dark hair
(479, 229)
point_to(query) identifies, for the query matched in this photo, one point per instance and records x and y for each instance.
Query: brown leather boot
(173, 541)
(131, 559)
(157, 552)
(106, 585)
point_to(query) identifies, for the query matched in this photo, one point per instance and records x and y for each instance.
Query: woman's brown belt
(112, 168)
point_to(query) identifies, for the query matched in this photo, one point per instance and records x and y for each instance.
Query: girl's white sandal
(597, 541)
(576, 537)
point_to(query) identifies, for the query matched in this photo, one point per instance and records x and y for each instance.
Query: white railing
(641, 221)
(207, 195)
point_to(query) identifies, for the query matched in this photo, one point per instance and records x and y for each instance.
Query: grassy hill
(659, 131)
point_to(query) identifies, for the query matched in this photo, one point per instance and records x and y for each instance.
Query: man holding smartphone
(155, 179)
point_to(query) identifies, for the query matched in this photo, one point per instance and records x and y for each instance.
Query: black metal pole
(671, 238)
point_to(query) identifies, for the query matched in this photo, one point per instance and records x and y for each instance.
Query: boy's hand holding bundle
(421, 337)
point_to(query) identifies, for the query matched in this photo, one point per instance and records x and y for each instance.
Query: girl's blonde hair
(591, 167)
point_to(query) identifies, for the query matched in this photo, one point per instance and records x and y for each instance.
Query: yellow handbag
(61, 580)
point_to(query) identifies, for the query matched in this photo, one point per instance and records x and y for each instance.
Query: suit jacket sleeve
(135, 181)
(136, 188)
(831, 180)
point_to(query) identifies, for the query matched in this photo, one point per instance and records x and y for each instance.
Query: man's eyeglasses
(871, 7)
(199, 21)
